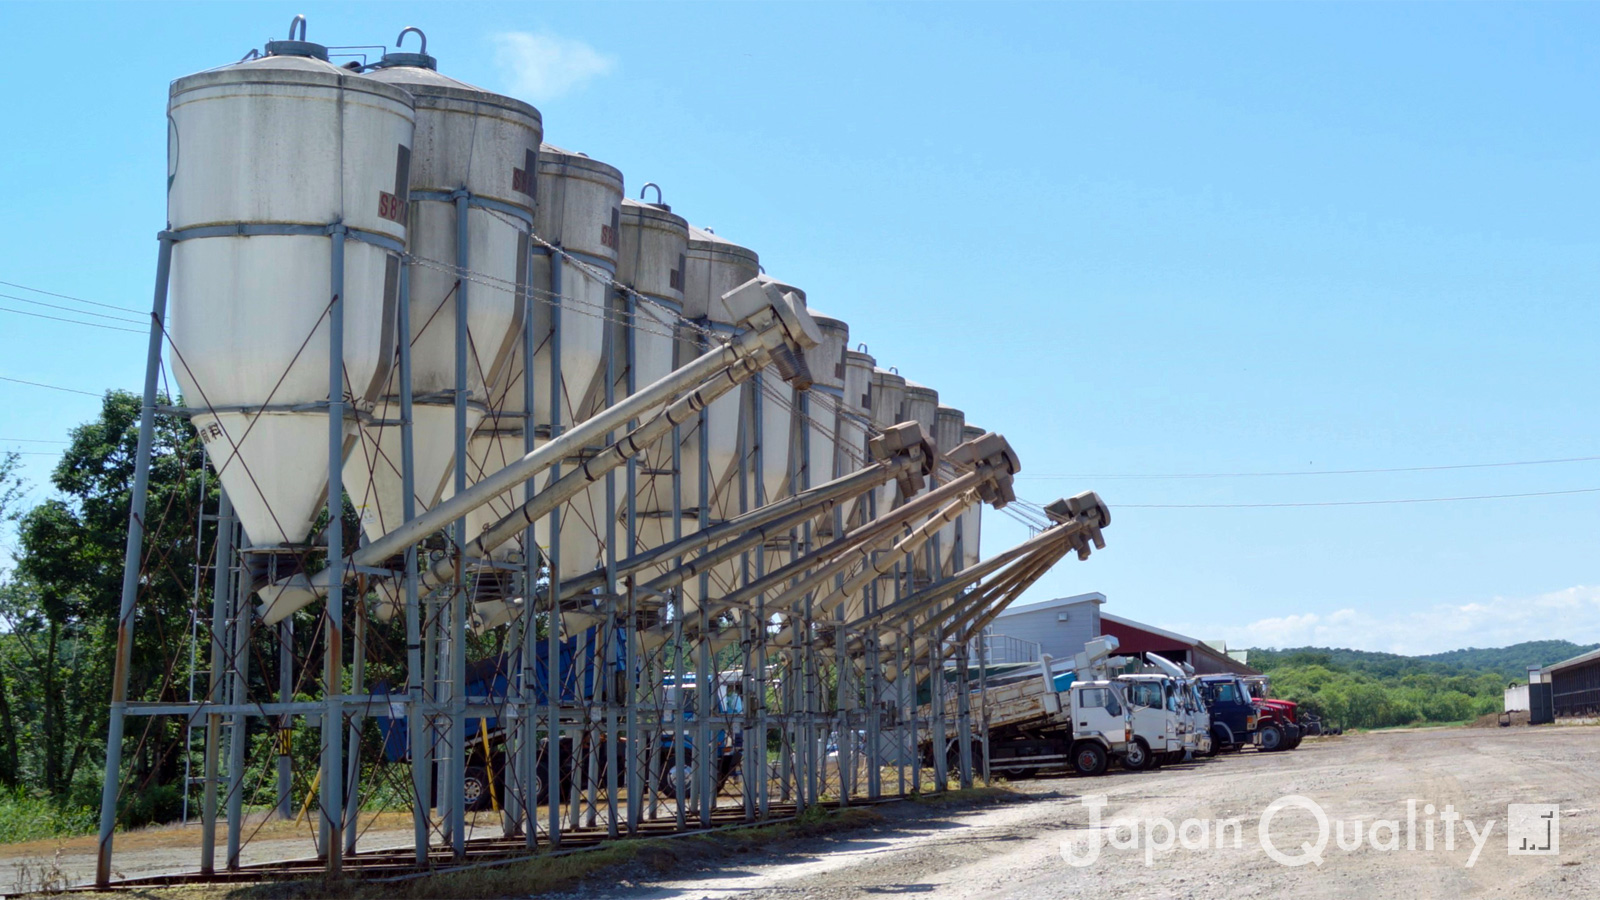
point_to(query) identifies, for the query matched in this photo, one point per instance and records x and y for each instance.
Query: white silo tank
(579, 211)
(777, 420)
(714, 267)
(487, 144)
(855, 421)
(920, 405)
(655, 244)
(283, 142)
(886, 391)
(971, 520)
(820, 434)
(947, 425)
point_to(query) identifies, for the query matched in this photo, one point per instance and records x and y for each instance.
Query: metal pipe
(553, 627)
(219, 627)
(873, 531)
(457, 739)
(333, 662)
(529, 747)
(132, 554)
(766, 334)
(239, 600)
(416, 721)
(562, 489)
(758, 525)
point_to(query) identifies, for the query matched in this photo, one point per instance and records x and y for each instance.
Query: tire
(475, 789)
(669, 780)
(1025, 773)
(1296, 735)
(1272, 738)
(1212, 750)
(1089, 758)
(1138, 758)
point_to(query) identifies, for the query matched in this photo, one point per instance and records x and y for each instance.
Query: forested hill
(1358, 688)
(1511, 663)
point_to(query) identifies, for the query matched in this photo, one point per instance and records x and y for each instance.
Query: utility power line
(23, 312)
(1493, 465)
(1116, 506)
(23, 287)
(53, 387)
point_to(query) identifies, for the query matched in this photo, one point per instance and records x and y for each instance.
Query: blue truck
(489, 681)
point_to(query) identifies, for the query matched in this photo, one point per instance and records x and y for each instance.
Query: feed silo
(971, 521)
(486, 145)
(265, 157)
(855, 424)
(818, 432)
(579, 213)
(886, 391)
(921, 404)
(714, 266)
(947, 425)
(654, 249)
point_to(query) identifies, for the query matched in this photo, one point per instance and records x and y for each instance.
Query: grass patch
(24, 817)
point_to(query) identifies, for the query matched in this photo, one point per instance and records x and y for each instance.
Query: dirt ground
(1015, 849)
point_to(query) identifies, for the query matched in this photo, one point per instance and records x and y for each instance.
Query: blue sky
(1135, 239)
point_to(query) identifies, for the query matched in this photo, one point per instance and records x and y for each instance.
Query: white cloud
(544, 66)
(1572, 613)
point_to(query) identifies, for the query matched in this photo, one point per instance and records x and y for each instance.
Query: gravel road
(1015, 850)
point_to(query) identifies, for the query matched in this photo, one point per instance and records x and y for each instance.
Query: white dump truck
(1061, 714)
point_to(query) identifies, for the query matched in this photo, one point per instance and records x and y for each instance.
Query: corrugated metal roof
(1578, 660)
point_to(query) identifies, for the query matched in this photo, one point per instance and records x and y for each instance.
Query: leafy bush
(25, 817)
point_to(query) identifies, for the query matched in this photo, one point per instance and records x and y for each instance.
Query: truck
(485, 739)
(1066, 714)
(1237, 720)
(1295, 728)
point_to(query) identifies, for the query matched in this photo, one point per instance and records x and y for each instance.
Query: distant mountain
(1510, 663)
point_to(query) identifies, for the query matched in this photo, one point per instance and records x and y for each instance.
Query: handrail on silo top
(297, 22)
(648, 185)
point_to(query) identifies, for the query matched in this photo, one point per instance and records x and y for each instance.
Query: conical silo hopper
(263, 155)
(971, 521)
(579, 211)
(855, 424)
(947, 425)
(655, 244)
(486, 144)
(920, 405)
(714, 267)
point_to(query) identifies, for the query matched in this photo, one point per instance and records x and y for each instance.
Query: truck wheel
(1272, 737)
(1089, 758)
(1137, 757)
(1295, 736)
(475, 789)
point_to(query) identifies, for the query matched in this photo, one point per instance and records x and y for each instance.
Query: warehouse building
(1575, 686)
(1061, 627)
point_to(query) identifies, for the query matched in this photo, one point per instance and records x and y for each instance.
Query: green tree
(62, 607)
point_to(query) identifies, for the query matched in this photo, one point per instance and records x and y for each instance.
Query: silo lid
(860, 358)
(949, 412)
(705, 240)
(297, 46)
(654, 212)
(557, 161)
(419, 60)
(913, 387)
(827, 322)
(424, 82)
(887, 376)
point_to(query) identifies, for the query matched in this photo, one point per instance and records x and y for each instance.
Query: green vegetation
(1360, 689)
